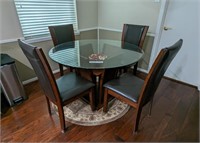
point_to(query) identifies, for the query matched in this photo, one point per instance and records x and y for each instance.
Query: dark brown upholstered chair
(137, 92)
(61, 91)
(134, 34)
(61, 34)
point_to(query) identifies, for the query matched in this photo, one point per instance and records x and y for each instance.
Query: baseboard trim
(181, 82)
(29, 81)
(35, 78)
(144, 74)
(142, 70)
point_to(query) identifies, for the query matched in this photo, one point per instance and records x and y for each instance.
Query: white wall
(183, 17)
(10, 28)
(199, 45)
(87, 11)
(114, 13)
(91, 13)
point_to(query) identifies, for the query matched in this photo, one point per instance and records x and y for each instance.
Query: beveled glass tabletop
(96, 54)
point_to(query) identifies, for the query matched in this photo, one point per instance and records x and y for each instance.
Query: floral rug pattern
(79, 112)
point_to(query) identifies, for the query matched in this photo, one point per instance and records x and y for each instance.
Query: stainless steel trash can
(10, 81)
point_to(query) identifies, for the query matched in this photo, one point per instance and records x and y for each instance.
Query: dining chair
(61, 34)
(137, 92)
(134, 34)
(60, 91)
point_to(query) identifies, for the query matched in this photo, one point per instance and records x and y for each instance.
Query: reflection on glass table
(94, 57)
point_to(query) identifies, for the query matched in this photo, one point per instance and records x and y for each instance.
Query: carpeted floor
(79, 112)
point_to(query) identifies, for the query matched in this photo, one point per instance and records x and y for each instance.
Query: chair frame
(141, 42)
(37, 58)
(55, 42)
(58, 101)
(143, 93)
(53, 33)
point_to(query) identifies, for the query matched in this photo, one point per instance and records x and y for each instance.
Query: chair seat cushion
(127, 85)
(71, 85)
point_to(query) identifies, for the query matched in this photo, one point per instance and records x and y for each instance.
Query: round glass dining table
(96, 56)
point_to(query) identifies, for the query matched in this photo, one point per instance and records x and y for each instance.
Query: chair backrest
(134, 34)
(62, 33)
(42, 69)
(157, 71)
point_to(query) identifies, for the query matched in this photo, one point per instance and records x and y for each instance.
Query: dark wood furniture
(61, 34)
(175, 118)
(137, 92)
(134, 34)
(61, 91)
(76, 54)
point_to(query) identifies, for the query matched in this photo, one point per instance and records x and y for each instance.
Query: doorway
(180, 19)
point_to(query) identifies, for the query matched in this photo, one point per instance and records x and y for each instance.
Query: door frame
(159, 29)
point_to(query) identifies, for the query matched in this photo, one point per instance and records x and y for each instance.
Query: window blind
(36, 15)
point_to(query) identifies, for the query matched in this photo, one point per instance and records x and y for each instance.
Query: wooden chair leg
(48, 105)
(135, 68)
(61, 69)
(62, 118)
(91, 94)
(105, 103)
(137, 119)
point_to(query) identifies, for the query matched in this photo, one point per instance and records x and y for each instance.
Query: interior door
(182, 21)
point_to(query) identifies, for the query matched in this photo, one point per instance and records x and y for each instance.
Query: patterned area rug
(79, 112)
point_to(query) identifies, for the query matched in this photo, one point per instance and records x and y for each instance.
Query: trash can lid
(6, 59)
